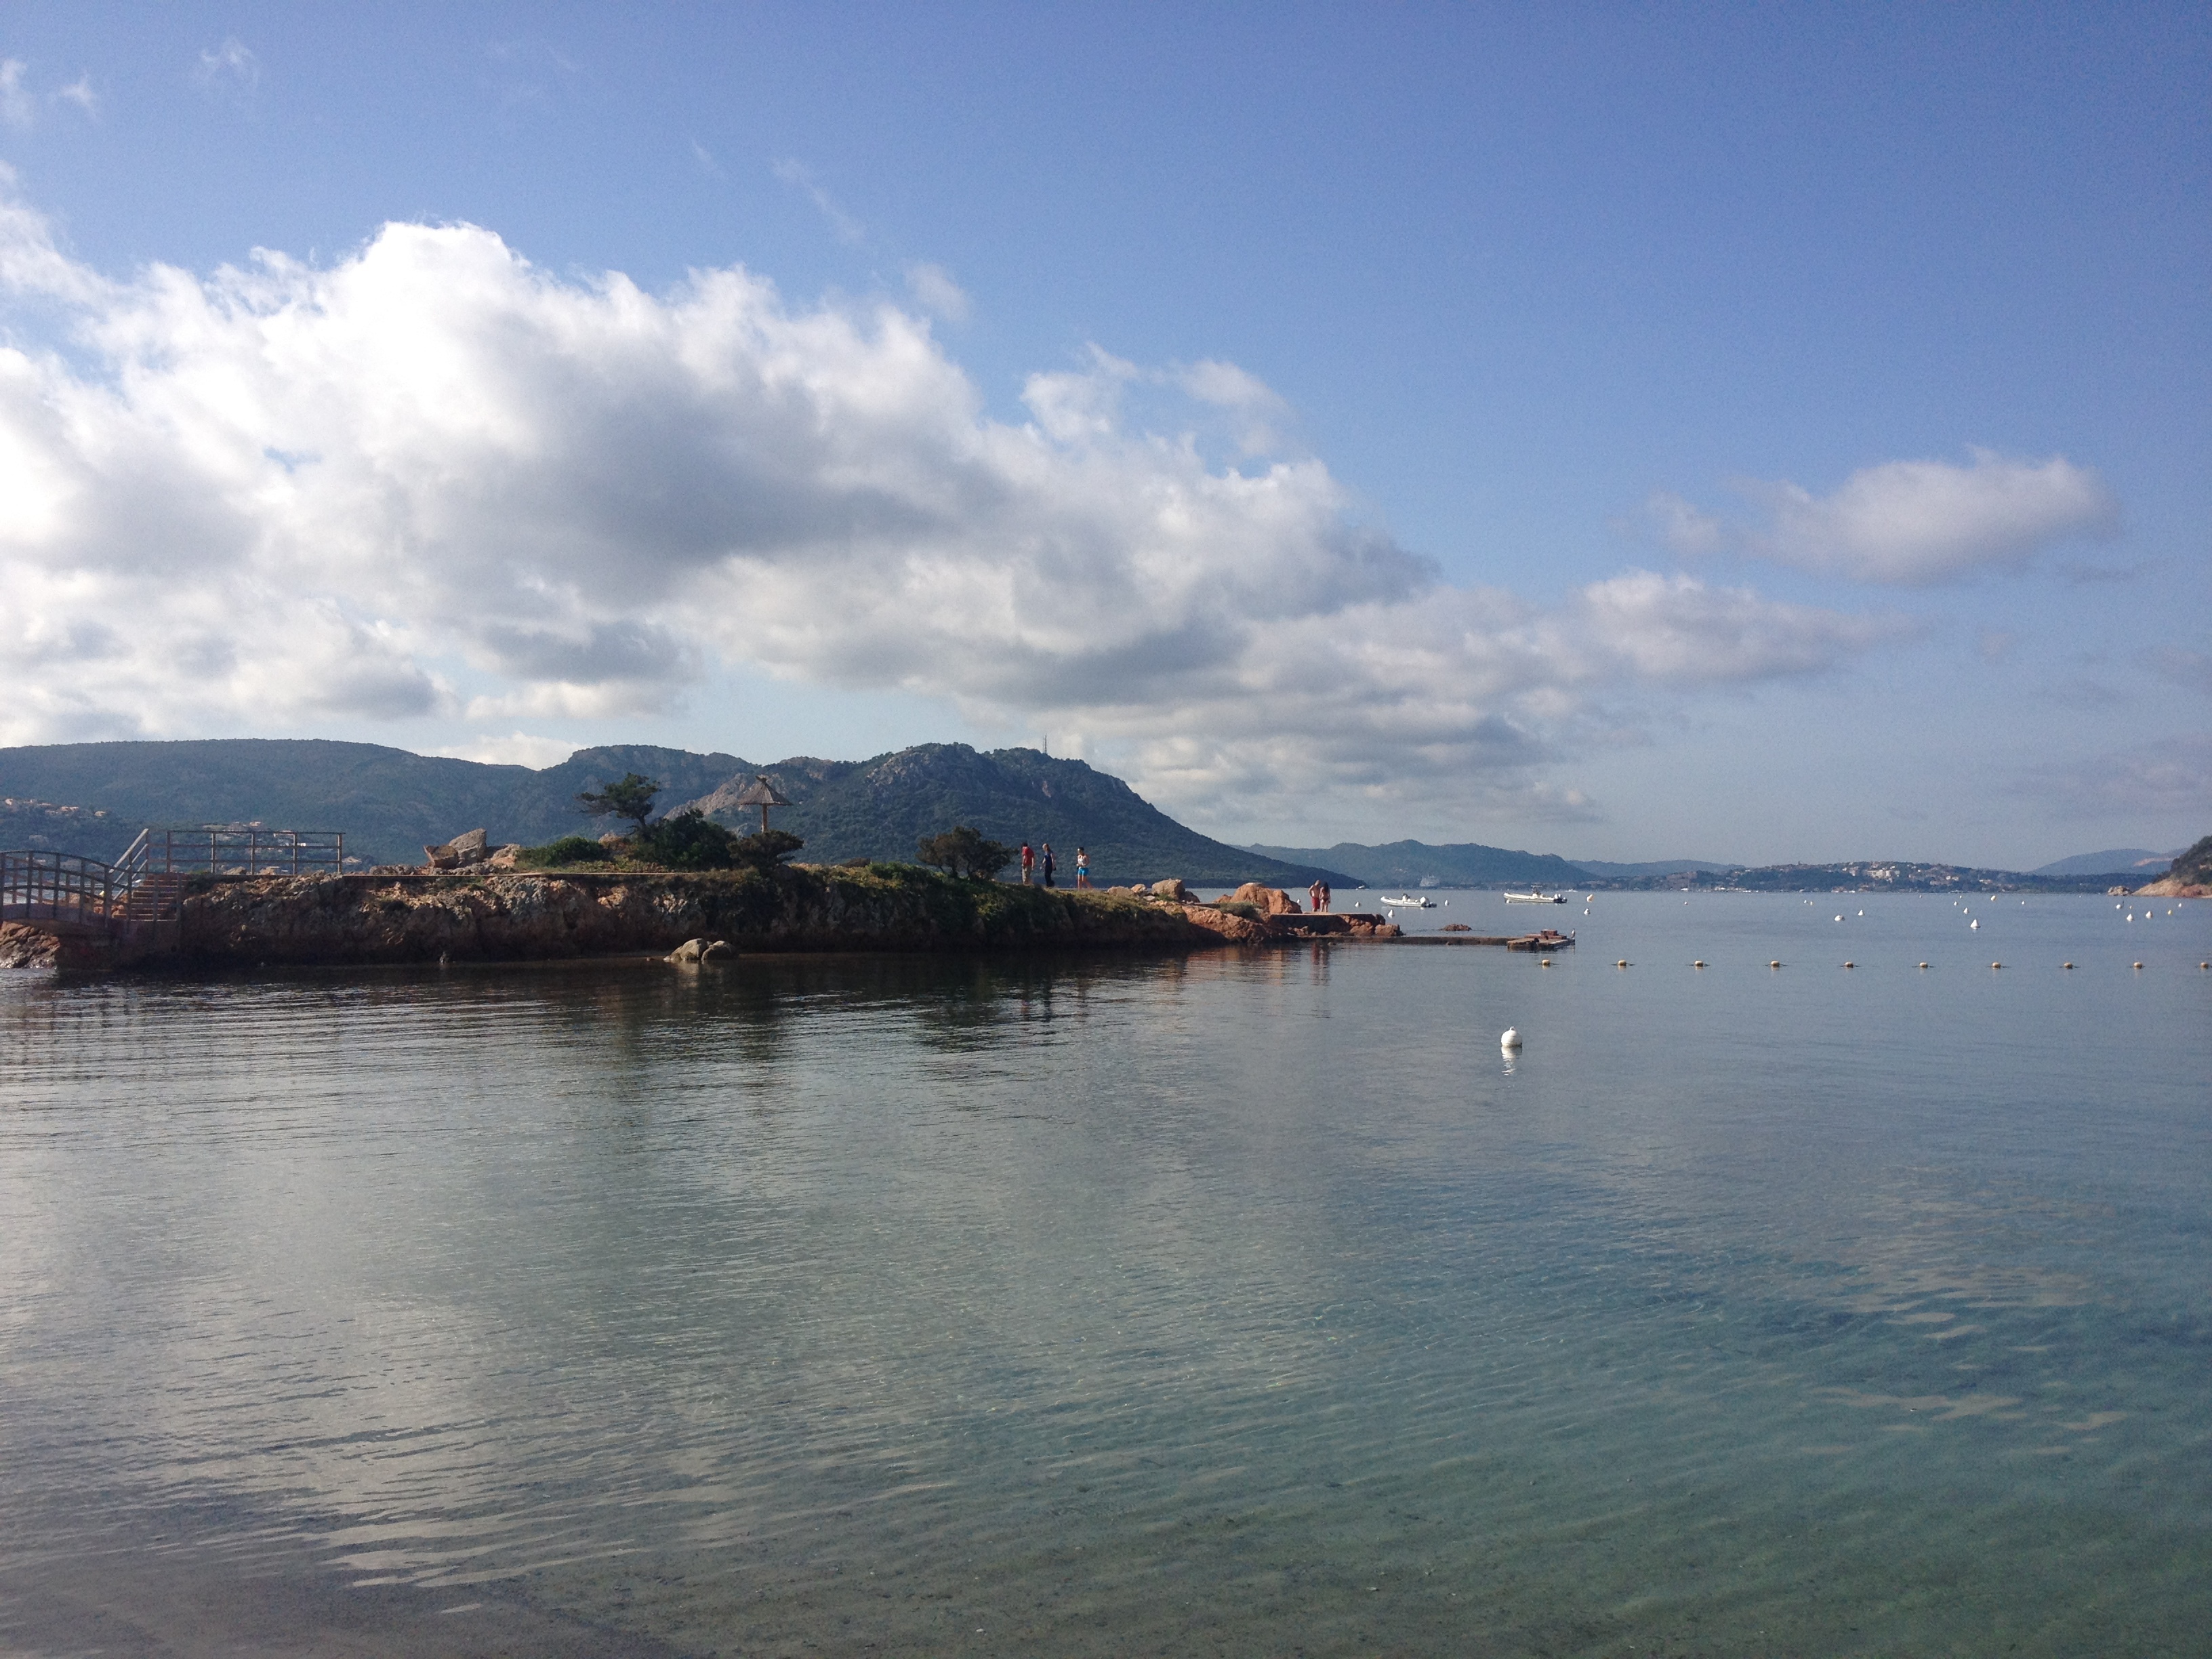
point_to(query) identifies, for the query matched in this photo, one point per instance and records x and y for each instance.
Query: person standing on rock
(1313, 897)
(1048, 863)
(1328, 897)
(1081, 868)
(1029, 863)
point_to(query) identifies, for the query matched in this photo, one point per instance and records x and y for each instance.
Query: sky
(1635, 432)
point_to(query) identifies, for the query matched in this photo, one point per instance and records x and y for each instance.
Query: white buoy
(1510, 1041)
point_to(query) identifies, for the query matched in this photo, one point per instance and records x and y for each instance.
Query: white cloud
(516, 749)
(229, 71)
(934, 291)
(279, 494)
(1908, 523)
(2170, 781)
(848, 229)
(18, 107)
(20, 102)
(1683, 528)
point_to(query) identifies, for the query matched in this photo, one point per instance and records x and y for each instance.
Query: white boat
(1537, 896)
(1410, 901)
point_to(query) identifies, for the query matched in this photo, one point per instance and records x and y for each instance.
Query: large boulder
(1272, 900)
(463, 849)
(1172, 888)
(1236, 930)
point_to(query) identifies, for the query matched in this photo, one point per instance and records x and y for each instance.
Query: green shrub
(764, 848)
(631, 797)
(963, 852)
(555, 854)
(1243, 907)
(688, 840)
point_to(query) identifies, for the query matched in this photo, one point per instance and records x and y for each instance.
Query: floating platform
(1545, 940)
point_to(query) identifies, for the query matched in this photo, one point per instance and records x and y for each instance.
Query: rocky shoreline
(518, 916)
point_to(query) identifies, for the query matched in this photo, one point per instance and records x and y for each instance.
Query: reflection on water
(1110, 1304)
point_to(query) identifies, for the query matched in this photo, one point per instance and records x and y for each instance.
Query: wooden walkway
(133, 899)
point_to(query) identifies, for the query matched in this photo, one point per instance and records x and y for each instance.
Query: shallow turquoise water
(1251, 1304)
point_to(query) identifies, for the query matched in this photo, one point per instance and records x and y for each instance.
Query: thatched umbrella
(762, 793)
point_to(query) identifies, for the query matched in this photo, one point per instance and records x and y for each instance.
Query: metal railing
(240, 849)
(63, 893)
(143, 889)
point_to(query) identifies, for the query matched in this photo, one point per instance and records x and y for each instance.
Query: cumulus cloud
(1908, 523)
(431, 478)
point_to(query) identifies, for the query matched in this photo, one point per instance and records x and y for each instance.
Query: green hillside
(2194, 867)
(391, 803)
(879, 808)
(1414, 864)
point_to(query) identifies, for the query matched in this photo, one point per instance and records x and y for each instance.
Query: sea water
(1233, 1303)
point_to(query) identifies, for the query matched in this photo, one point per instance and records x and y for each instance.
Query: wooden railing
(143, 891)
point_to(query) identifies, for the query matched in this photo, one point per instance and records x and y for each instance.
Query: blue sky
(1633, 432)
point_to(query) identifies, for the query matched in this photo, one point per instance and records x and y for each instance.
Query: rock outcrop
(522, 916)
(713, 916)
(461, 851)
(1272, 900)
(2190, 877)
(26, 947)
(1229, 928)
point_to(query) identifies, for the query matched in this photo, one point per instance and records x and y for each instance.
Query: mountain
(880, 808)
(1415, 864)
(391, 803)
(1611, 871)
(38, 826)
(2136, 863)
